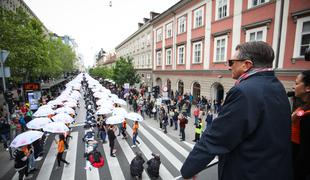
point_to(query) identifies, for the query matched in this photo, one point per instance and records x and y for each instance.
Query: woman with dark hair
(60, 150)
(301, 128)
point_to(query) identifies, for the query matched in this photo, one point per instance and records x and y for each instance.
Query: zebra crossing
(172, 152)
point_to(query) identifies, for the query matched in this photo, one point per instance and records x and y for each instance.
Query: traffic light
(155, 91)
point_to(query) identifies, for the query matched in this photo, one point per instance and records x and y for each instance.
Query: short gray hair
(259, 52)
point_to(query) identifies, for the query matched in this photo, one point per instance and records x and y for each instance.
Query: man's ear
(247, 65)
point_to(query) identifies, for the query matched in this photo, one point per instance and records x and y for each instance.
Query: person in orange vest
(301, 128)
(135, 134)
(60, 150)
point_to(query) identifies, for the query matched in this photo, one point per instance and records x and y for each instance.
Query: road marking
(129, 154)
(166, 138)
(176, 162)
(68, 172)
(48, 164)
(114, 167)
(163, 171)
(94, 173)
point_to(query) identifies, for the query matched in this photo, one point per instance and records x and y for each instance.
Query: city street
(172, 153)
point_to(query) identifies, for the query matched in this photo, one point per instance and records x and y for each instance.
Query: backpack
(186, 120)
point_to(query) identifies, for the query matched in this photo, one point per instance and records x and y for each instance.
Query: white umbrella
(55, 102)
(63, 117)
(119, 111)
(26, 138)
(120, 101)
(115, 120)
(38, 123)
(70, 104)
(134, 116)
(103, 111)
(42, 112)
(66, 110)
(56, 127)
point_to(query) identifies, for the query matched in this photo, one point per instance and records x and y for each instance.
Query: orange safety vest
(135, 128)
(61, 146)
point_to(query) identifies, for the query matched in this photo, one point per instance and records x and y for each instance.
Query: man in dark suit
(251, 134)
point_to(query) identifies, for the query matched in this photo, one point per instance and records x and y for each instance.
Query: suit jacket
(251, 135)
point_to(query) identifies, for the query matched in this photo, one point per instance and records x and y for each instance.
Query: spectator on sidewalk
(251, 134)
(183, 121)
(301, 128)
(4, 132)
(209, 119)
(198, 130)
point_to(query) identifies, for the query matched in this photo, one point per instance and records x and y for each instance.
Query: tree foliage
(103, 72)
(33, 54)
(124, 72)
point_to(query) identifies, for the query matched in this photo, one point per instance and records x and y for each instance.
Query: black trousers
(59, 158)
(23, 172)
(111, 147)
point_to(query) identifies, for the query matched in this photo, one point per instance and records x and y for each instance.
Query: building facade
(138, 46)
(192, 41)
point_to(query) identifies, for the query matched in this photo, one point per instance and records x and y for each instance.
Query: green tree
(33, 54)
(103, 72)
(124, 72)
(24, 38)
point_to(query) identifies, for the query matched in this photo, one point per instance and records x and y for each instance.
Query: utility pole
(3, 55)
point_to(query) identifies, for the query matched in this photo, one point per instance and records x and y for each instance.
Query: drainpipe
(279, 38)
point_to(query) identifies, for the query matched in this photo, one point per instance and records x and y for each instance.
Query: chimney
(153, 14)
(140, 25)
(145, 20)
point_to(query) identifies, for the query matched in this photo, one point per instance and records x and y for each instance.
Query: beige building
(138, 46)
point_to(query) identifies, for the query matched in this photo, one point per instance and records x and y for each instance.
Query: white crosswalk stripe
(176, 162)
(114, 167)
(163, 171)
(69, 171)
(180, 149)
(48, 164)
(129, 154)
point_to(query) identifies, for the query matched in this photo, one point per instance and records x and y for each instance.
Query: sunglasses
(230, 62)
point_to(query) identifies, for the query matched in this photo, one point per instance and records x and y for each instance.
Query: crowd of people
(252, 131)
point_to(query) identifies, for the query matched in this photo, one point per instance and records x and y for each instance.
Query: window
(168, 56)
(222, 8)
(197, 49)
(181, 55)
(198, 17)
(169, 30)
(148, 59)
(182, 25)
(159, 35)
(253, 3)
(148, 39)
(220, 46)
(158, 58)
(302, 36)
(257, 34)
